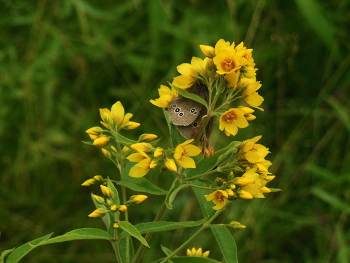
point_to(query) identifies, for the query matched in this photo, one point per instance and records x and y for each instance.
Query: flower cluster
(148, 157)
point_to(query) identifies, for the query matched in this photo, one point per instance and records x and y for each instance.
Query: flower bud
(95, 130)
(98, 178)
(241, 181)
(99, 199)
(244, 194)
(114, 208)
(98, 213)
(124, 150)
(106, 153)
(106, 191)
(170, 164)
(122, 208)
(207, 51)
(130, 125)
(116, 225)
(146, 137)
(93, 136)
(153, 164)
(158, 152)
(142, 146)
(265, 190)
(237, 225)
(230, 192)
(89, 182)
(103, 140)
(138, 198)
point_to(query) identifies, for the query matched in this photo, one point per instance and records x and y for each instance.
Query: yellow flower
(158, 152)
(182, 153)
(138, 198)
(98, 213)
(122, 208)
(231, 120)
(253, 98)
(117, 117)
(143, 164)
(244, 194)
(103, 140)
(165, 96)
(141, 146)
(257, 183)
(248, 72)
(106, 191)
(248, 113)
(197, 253)
(253, 152)
(226, 62)
(247, 56)
(147, 137)
(207, 50)
(189, 72)
(218, 197)
(170, 164)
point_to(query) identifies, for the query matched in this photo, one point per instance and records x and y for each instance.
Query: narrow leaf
(79, 234)
(226, 243)
(144, 228)
(175, 192)
(141, 185)
(5, 253)
(174, 186)
(123, 250)
(206, 207)
(166, 250)
(129, 228)
(191, 96)
(124, 141)
(23, 250)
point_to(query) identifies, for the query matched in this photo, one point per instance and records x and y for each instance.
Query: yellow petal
(192, 150)
(186, 162)
(186, 69)
(118, 112)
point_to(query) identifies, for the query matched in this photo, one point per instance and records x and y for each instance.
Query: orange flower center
(230, 117)
(220, 198)
(228, 65)
(254, 149)
(184, 153)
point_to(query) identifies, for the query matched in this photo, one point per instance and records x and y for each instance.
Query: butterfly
(187, 114)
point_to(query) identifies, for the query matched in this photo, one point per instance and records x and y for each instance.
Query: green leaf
(191, 96)
(111, 186)
(226, 243)
(174, 194)
(107, 219)
(166, 250)
(174, 133)
(123, 250)
(206, 207)
(144, 228)
(188, 260)
(129, 228)
(23, 250)
(331, 199)
(141, 185)
(5, 253)
(124, 141)
(176, 184)
(79, 234)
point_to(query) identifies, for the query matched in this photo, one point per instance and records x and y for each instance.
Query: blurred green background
(62, 60)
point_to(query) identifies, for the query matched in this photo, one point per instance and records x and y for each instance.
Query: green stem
(200, 187)
(148, 236)
(199, 176)
(204, 226)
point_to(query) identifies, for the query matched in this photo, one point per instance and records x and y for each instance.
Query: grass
(63, 60)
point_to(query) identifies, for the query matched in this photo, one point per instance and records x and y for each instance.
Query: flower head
(197, 253)
(231, 120)
(143, 164)
(165, 96)
(116, 117)
(254, 152)
(218, 197)
(183, 152)
(256, 185)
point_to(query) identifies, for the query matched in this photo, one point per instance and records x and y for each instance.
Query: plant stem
(148, 236)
